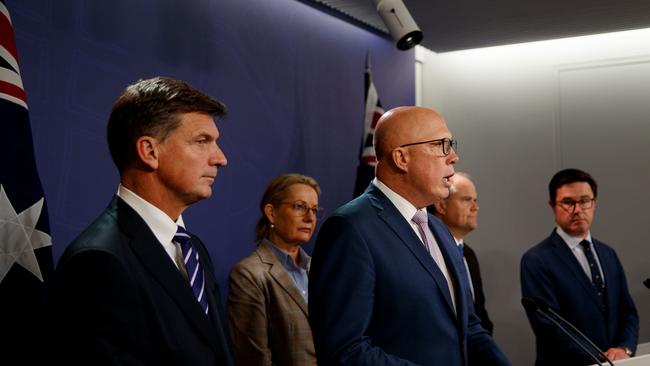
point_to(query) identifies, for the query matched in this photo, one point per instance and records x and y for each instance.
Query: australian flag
(25, 242)
(367, 157)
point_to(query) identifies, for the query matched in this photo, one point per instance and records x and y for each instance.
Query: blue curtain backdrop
(291, 76)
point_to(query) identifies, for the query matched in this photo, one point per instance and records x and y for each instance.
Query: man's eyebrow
(206, 135)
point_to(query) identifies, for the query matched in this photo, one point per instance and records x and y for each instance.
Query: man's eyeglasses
(569, 204)
(446, 143)
(301, 208)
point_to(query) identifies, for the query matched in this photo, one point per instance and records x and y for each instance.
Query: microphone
(544, 307)
(647, 282)
(540, 307)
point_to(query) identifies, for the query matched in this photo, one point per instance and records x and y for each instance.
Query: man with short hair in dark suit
(580, 278)
(386, 286)
(135, 288)
(459, 211)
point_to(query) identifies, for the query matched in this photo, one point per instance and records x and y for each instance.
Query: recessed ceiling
(462, 24)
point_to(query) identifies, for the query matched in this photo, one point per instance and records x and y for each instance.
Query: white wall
(521, 113)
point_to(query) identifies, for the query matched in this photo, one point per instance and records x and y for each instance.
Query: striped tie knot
(421, 218)
(193, 266)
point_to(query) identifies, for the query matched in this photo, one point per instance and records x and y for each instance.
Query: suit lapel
(396, 222)
(562, 251)
(281, 276)
(216, 312)
(448, 246)
(154, 258)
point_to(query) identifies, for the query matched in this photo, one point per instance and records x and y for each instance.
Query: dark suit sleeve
(536, 283)
(627, 334)
(481, 348)
(247, 319)
(341, 298)
(98, 313)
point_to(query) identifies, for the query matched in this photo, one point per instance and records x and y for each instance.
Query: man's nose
(577, 209)
(452, 158)
(218, 158)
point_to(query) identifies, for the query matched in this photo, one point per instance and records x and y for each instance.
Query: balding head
(403, 125)
(419, 172)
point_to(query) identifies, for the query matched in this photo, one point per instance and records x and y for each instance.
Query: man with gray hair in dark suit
(459, 211)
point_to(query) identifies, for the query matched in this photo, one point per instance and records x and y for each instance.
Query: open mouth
(447, 179)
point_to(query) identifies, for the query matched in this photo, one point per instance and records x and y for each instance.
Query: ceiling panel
(462, 24)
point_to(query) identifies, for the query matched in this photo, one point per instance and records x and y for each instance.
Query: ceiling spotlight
(399, 22)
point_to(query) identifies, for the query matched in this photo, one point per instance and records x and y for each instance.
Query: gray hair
(453, 189)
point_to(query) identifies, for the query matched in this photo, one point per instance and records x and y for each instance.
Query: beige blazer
(267, 315)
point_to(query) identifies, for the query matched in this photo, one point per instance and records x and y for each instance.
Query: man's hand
(616, 353)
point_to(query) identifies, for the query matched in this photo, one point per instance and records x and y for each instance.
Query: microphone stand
(531, 304)
(582, 335)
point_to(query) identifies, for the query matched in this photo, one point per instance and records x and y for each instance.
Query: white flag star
(19, 237)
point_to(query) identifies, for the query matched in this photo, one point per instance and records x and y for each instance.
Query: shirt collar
(572, 241)
(404, 207)
(304, 259)
(162, 226)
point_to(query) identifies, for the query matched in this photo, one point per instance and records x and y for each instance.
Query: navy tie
(596, 278)
(193, 266)
(461, 251)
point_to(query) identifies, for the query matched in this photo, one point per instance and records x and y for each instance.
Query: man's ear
(400, 158)
(269, 212)
(147, 150)
(551, 203)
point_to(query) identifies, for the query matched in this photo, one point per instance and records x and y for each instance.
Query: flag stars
(20, 237)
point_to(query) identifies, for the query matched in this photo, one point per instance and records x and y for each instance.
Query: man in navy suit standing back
(580, 278)
(387, 284)
(135, 288)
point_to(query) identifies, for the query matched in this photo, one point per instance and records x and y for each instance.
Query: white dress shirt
(579, 252)
(162, 226)
(459, 242)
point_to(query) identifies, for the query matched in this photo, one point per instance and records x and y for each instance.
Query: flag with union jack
(25, 242)
(367, 158)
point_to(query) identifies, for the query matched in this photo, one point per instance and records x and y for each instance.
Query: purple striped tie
(193, 266)
(422, 220)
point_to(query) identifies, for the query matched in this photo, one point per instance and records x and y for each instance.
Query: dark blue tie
(193, 266)
(461, 251)
(596, 278)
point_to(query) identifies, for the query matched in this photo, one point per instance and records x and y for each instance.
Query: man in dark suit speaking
(580, 278)
(386, 284)
(135, 288)
(459, 212)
